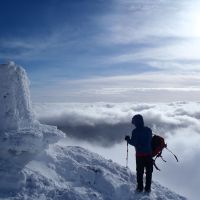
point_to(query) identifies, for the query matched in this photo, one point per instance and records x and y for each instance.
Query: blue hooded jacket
(141, 137)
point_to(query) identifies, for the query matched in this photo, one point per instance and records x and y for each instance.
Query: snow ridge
(74, 173)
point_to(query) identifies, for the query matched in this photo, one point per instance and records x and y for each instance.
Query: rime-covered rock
(21, 135)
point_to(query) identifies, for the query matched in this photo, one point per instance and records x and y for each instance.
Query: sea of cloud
(102, 126)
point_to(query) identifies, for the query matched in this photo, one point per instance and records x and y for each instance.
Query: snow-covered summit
(32, 169)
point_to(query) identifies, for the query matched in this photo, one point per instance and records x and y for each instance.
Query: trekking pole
(172, 154)
(127, 156)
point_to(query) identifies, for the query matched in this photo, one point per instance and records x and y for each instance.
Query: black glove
(127, 137)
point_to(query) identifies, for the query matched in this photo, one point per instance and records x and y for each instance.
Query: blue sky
(97, 50)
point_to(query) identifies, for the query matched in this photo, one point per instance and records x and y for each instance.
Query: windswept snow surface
(74, 173)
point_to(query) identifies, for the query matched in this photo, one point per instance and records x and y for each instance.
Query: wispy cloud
(163, 34)
(33, 47)
(148, 87)
(142, 21)
(133, 38)
(182, 55)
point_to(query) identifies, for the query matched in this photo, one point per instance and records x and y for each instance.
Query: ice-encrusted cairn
(15, 104)
(21, 135)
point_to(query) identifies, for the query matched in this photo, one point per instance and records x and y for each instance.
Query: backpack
(158, 144)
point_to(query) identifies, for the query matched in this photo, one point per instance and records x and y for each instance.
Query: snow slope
(33, 166)
(73, 173)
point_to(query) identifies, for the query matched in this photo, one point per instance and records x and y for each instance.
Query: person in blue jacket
(141, 140)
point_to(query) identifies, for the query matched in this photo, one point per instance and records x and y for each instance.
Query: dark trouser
(144, 162)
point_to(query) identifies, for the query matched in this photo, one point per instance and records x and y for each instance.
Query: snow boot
(139, 189)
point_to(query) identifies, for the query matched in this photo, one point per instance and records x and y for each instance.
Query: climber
(141, 140)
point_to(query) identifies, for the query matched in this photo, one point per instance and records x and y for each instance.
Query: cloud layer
(106, 124)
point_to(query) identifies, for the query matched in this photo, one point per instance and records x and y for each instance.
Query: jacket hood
(138, 121)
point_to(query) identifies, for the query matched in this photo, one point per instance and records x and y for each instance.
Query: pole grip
(127, 156)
